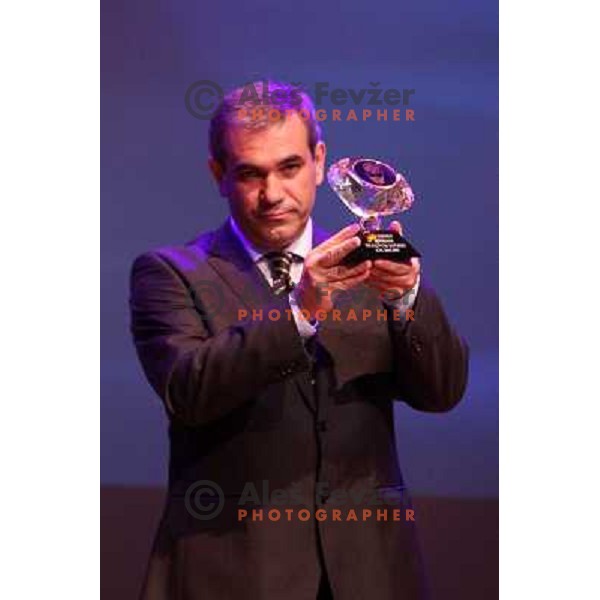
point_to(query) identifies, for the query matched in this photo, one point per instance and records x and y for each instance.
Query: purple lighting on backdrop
(156, 189)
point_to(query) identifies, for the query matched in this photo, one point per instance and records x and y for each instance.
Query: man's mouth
(275, 215)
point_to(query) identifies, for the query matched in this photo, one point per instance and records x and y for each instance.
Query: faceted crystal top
(369, 187)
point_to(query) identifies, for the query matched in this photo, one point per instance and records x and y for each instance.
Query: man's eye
(289, 170)
(248, 175)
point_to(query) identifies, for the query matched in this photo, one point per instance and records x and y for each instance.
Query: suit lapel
(229, 259)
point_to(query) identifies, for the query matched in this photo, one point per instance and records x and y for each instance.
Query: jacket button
(416, 345)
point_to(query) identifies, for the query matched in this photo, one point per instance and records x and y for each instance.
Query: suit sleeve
(430, 359)
(201, 376)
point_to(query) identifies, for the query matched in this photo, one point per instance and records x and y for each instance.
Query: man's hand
(323, 273)
(394, 279)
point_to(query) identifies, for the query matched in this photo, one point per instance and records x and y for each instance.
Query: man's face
(270, 180)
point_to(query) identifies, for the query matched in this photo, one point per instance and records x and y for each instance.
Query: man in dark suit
(278, 367)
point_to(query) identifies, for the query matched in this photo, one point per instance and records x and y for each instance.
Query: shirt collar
(300, 246)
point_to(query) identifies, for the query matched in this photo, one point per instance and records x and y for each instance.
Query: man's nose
(272, 190)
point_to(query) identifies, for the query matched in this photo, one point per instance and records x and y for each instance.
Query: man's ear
(218, 174)
(320, 154)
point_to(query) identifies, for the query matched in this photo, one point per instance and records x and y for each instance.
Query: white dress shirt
(300, 247)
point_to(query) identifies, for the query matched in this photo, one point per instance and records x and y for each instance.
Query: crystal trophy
(371, 189)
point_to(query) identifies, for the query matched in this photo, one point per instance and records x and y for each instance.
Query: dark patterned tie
(279, 265)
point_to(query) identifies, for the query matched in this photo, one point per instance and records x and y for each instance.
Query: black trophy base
(381, 245)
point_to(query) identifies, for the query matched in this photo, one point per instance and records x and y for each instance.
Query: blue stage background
(156, 189)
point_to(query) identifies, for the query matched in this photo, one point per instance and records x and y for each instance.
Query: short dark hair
(242, 106)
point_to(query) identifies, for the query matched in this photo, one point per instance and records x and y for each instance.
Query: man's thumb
(396, 226)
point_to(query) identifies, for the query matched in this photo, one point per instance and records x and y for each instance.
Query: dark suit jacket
(249, 403)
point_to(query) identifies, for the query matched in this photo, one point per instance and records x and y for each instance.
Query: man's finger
(392, 268)
(341, 273)
(333, 255)
(396, 226)
(389, 290)
(340, 236)
(351, 282)
(385, 276)
(391, 283)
